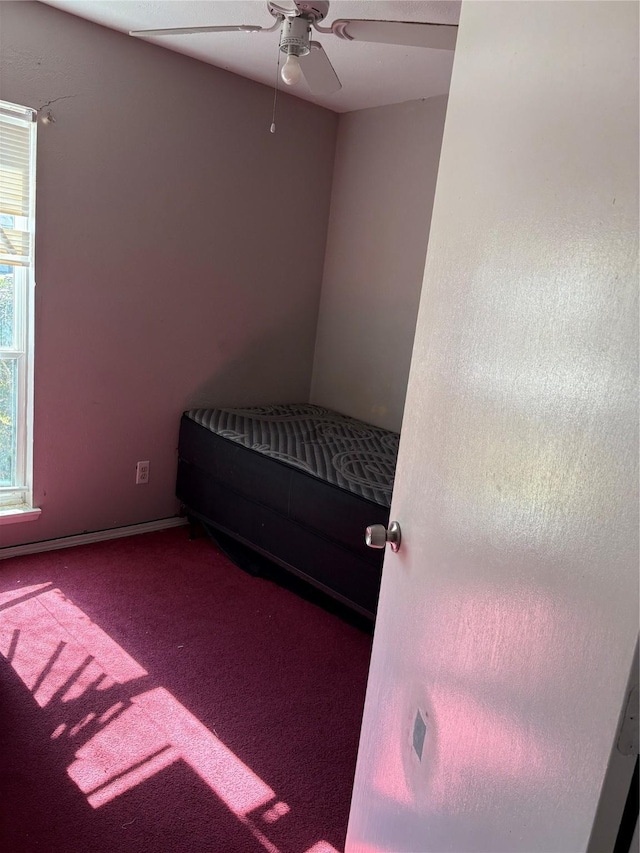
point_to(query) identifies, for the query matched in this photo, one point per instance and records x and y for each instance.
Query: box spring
(309, 526)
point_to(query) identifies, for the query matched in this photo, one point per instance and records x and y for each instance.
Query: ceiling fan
(307, 59)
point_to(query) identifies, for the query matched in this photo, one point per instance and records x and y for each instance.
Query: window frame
(17, 499)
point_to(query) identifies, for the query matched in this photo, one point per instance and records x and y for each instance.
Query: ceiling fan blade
(318, 71)
(415, 34)
(182, 31)
(283, 7)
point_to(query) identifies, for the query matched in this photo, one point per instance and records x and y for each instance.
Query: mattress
(347, 453)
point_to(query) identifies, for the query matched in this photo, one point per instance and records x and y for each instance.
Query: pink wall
(383, 188)
(164, 275)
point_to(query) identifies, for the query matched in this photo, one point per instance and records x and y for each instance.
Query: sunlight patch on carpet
(128, 729)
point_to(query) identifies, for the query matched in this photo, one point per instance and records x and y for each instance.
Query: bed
(298, 484)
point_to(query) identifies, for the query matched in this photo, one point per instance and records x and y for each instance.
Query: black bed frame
(306, 525)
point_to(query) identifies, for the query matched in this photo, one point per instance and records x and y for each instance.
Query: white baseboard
(88, 538)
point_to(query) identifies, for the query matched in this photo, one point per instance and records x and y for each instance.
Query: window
(17, 215)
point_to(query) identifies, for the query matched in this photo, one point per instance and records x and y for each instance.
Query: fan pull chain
(275, 94)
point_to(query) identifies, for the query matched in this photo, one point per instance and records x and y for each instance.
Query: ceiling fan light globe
(291, 71)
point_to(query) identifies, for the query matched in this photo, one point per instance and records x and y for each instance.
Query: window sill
(12, 516)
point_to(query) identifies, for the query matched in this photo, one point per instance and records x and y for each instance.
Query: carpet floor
(154, 697)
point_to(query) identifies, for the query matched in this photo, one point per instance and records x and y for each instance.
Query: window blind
(17, 201)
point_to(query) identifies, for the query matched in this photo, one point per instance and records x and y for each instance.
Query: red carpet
(154, 697)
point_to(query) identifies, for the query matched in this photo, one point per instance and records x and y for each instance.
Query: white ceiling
(372, 74)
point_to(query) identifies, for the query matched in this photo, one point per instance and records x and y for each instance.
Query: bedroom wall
(383, 187)
(161, 276)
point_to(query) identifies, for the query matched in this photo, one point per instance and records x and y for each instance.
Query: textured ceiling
(372, 74)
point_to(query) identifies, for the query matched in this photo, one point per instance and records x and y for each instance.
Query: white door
(508, 619)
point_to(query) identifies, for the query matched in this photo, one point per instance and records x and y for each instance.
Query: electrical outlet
(142, 473)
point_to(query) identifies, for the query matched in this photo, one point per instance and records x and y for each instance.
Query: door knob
(377, 536)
